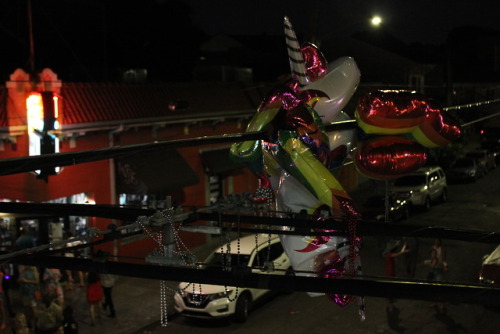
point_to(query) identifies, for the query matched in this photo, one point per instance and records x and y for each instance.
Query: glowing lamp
(376, 21)
(42, 113)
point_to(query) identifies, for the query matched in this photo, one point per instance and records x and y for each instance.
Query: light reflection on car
(398, 207)
(484, 158)
(490, 268)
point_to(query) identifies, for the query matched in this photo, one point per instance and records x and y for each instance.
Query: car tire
(444, 195)
(427, 203)
(289, 272)
(241, 310)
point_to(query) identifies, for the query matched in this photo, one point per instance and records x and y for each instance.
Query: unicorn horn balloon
(295, 163)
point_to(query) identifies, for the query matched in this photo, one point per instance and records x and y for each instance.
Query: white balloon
(341, 137)
(339, 84)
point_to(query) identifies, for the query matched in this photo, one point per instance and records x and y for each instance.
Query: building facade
(90, 116)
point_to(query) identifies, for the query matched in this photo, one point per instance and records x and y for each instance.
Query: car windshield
(464, 163)
(410, 180)
(475, 155)
(222, 259)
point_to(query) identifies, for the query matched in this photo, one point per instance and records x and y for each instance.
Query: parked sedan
(464, 169)
(485, 159)
(490, 268)
(374, 208)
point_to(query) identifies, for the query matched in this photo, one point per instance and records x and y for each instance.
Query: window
(274, 252)
(434, 177)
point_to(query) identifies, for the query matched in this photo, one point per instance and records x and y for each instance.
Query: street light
(376, 21)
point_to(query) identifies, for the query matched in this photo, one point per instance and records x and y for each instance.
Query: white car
(422, 187)
(215, 301)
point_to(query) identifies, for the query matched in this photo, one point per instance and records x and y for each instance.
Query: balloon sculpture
(295, 163)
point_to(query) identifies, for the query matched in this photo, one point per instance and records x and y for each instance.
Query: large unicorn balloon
(294, 163)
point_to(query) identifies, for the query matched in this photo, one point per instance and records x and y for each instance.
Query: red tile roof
(96, 102)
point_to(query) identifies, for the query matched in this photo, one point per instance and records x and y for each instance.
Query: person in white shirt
(108, 281)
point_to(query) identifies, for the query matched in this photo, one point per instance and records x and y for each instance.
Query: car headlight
(224, 294)
(486, 281)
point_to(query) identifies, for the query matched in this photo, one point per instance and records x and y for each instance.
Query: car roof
(247, 243)
(426, 170)
(423, 171)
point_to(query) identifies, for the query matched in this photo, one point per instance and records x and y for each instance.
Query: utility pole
(32, 44)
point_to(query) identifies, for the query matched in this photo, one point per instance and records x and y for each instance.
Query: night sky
(422, 21)
(92, 40)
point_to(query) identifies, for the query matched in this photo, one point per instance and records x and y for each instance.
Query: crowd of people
(409, 247)
(41, 306)
(408, 250)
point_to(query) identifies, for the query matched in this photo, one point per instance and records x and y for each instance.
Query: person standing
(3, 313)
(8, 271)
(29, 289)
(411, 258)
(49, 316)
(70, 325)
(436, 266)
(94, 295)
(69, 273)
(390, 256)
(52, 284)
(26, 238)
(436, 273)
(20, 325)
(108, 282)
(440, 252)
